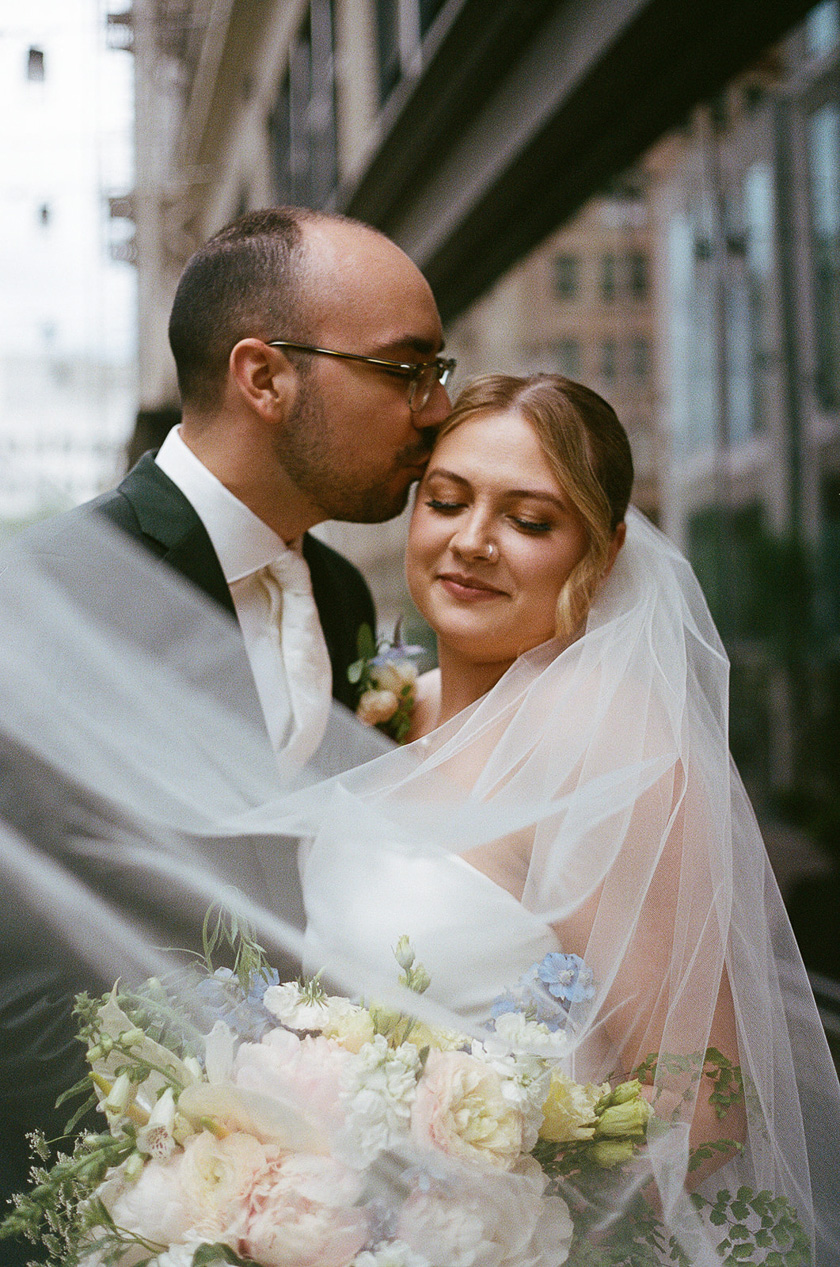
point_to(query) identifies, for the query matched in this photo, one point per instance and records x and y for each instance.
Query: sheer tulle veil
(593, 782)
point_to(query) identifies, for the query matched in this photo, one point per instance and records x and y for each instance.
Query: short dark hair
(248, 280)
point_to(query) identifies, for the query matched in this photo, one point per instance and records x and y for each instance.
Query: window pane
(822, 28)
(280, 140)
(607, 368)
(608, 272)
(566, 276)
(637, 270)
(388, 42)
(824, 154)
(567, 357)
(640, 359)
(35, 65)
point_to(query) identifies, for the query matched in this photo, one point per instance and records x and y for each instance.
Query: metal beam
(523, 111)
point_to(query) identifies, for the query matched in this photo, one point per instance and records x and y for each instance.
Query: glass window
(302, 124)
(609, 360)
(566, 275)
(824, 156)
(35, 65)
(567, 357)
(640, 359)
(637, 274)
(822, 28)
(608, 276)
(388, 46)
(693, 406)
(280, 132)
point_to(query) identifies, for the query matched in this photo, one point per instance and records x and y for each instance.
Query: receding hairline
(321, 267)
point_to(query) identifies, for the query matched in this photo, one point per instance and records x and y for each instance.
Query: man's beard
(311, 458)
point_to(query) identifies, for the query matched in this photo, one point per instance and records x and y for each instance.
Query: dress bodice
(473, 937)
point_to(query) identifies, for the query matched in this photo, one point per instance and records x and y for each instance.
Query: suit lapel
(168, 519)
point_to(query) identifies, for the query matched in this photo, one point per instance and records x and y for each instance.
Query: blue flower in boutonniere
(386, 675)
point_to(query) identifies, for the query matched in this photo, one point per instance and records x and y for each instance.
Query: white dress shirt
(272, 595)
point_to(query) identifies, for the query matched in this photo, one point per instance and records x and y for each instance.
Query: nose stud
(490, 552)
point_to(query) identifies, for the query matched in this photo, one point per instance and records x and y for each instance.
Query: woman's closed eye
(531, 525)
(443, 506)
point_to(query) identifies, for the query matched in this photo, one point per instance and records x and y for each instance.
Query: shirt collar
(243, 543)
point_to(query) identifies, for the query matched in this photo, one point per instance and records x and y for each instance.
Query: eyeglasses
(421, 378)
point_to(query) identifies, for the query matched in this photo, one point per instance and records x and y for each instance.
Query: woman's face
(493, 539)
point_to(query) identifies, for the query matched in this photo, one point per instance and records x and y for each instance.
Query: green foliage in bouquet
(756, 1228)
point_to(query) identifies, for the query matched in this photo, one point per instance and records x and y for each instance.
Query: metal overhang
(521, 112)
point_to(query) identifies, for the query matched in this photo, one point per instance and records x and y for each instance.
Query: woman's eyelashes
(534, 526)
(438, 504)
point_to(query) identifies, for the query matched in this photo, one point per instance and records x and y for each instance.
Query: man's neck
(242, 465)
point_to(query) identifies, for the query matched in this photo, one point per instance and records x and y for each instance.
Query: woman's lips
(468, 587)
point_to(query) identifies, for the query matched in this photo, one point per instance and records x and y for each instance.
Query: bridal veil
(594, 783)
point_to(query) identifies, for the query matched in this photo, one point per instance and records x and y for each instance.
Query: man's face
(351, 443)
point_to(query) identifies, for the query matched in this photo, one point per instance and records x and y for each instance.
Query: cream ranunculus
(569, 1110)
(352, 1029)
(393, 675)
(460, 1108)
(376, 707)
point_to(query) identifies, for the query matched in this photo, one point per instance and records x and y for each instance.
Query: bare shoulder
(426, 705)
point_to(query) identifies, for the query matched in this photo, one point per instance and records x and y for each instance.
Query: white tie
(293, 630)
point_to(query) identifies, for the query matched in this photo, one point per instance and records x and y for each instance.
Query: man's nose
(435, 411)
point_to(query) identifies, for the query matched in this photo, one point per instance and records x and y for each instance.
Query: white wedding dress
(473, 937)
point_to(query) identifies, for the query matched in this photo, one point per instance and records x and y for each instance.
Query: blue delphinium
(222, 997)
(566, 977)
(548, 990)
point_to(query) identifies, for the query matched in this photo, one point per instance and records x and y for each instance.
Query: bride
(570, 762)
(566, 799)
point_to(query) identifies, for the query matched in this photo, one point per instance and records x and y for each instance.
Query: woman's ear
(615, 545)
(264, 378)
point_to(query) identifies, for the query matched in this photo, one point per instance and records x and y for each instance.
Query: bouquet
(273, 1125)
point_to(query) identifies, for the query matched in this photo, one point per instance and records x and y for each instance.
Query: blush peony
(302, 1212)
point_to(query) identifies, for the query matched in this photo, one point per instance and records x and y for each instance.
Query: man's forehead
(361, 281)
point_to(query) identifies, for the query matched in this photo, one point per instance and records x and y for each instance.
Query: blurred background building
(643, 195)
(67, 323)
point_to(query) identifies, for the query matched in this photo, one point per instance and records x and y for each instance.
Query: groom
(307, 349)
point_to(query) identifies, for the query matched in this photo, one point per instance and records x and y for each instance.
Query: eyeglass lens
(423, 385)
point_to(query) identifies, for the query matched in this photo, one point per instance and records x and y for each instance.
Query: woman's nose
(473, 539)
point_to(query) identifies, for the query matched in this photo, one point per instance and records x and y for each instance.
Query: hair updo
(589, 453)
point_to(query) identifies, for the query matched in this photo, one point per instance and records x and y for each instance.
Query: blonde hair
(589, 453)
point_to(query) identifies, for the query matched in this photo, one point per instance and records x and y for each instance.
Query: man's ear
(615, 545)
(264, 378)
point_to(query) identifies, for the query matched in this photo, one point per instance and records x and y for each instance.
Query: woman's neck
(457, 684)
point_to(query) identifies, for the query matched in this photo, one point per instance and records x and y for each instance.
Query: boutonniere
(386, 675)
